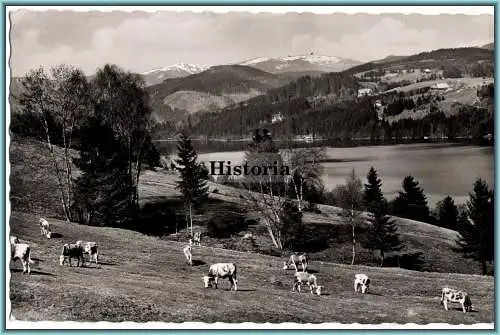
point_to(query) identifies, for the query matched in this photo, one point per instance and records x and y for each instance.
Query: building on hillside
(440, 87)
(277, 118)
(362, 92)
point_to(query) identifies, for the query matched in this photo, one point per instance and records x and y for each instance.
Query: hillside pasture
(455, 83)
(34, 190)
(144, 279)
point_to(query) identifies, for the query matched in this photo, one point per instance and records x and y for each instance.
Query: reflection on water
(441, 169)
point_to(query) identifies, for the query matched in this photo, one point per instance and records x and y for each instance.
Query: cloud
(142, 41)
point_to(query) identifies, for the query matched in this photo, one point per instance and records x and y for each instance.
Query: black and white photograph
(249, 167)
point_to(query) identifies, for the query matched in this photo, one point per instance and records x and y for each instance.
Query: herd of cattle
(22, 251)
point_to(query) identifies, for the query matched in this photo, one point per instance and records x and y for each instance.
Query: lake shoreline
(169, 146)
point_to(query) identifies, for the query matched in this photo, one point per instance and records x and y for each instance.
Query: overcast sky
(139, 41)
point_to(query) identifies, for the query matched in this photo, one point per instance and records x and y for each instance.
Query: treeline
(107, 120)
(352, 118)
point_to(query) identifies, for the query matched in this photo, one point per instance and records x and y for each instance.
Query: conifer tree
(412, 202)
(102, 190)
(476, 226)
(373, 195)
(447, 213)
(382, 235)
(192, 185)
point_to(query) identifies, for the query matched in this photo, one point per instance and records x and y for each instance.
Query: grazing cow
(197, 238)
(306, 278)
(296, 259)
(221, 270)
(452, 295)
(21, 251)
(91, 249)
(72, 251)
(361, 282)
(187, 252)
(44, 228)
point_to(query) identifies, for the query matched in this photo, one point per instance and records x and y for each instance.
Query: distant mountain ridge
(301, 63)
(156, 76)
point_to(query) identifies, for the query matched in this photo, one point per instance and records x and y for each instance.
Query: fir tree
(476, 226)
(373, 197)
(102, 190)
(292, 229)
(192, 185)
(382, 235)
(412, 202)
(448, 213)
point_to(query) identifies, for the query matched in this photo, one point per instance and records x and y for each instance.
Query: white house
(440, 86)
(365, 92)
(277, 118)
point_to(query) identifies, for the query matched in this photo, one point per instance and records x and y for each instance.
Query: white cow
(197, 238)
(21, 251)
(361, 283)
(44, 228)
(221, 270)
(456, 296)
(72, 251)
(89, 248)
(296, 259)
(187, 250)
(306, 278)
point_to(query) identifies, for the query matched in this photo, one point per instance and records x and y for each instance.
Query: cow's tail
(234, 274)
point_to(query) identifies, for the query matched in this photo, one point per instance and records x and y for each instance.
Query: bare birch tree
(60, 95)
(267, 194)
(120, 98)
(306, 170)
(351, 200)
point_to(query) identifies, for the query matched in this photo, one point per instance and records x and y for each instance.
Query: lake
(441, 169)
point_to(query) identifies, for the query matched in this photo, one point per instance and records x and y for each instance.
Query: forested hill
(466, 60)
(433, 93)
(175, 99)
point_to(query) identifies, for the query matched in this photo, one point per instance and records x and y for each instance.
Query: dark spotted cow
(456, 296)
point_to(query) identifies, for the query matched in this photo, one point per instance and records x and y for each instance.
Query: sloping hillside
(138, 274)
(461, 58)
(33, 184)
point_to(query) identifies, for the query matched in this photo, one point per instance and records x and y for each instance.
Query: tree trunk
(353, 238)
(58, 173)
(190, 219)
(382, 258)
(484, 267)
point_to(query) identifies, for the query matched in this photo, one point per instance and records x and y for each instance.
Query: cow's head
(49, 234)
(285, 266)
(365, 285)
(14, 240)
(61, 260)
(207, 281)
(318, 289)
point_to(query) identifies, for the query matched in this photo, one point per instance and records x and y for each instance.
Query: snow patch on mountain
(191, 68)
